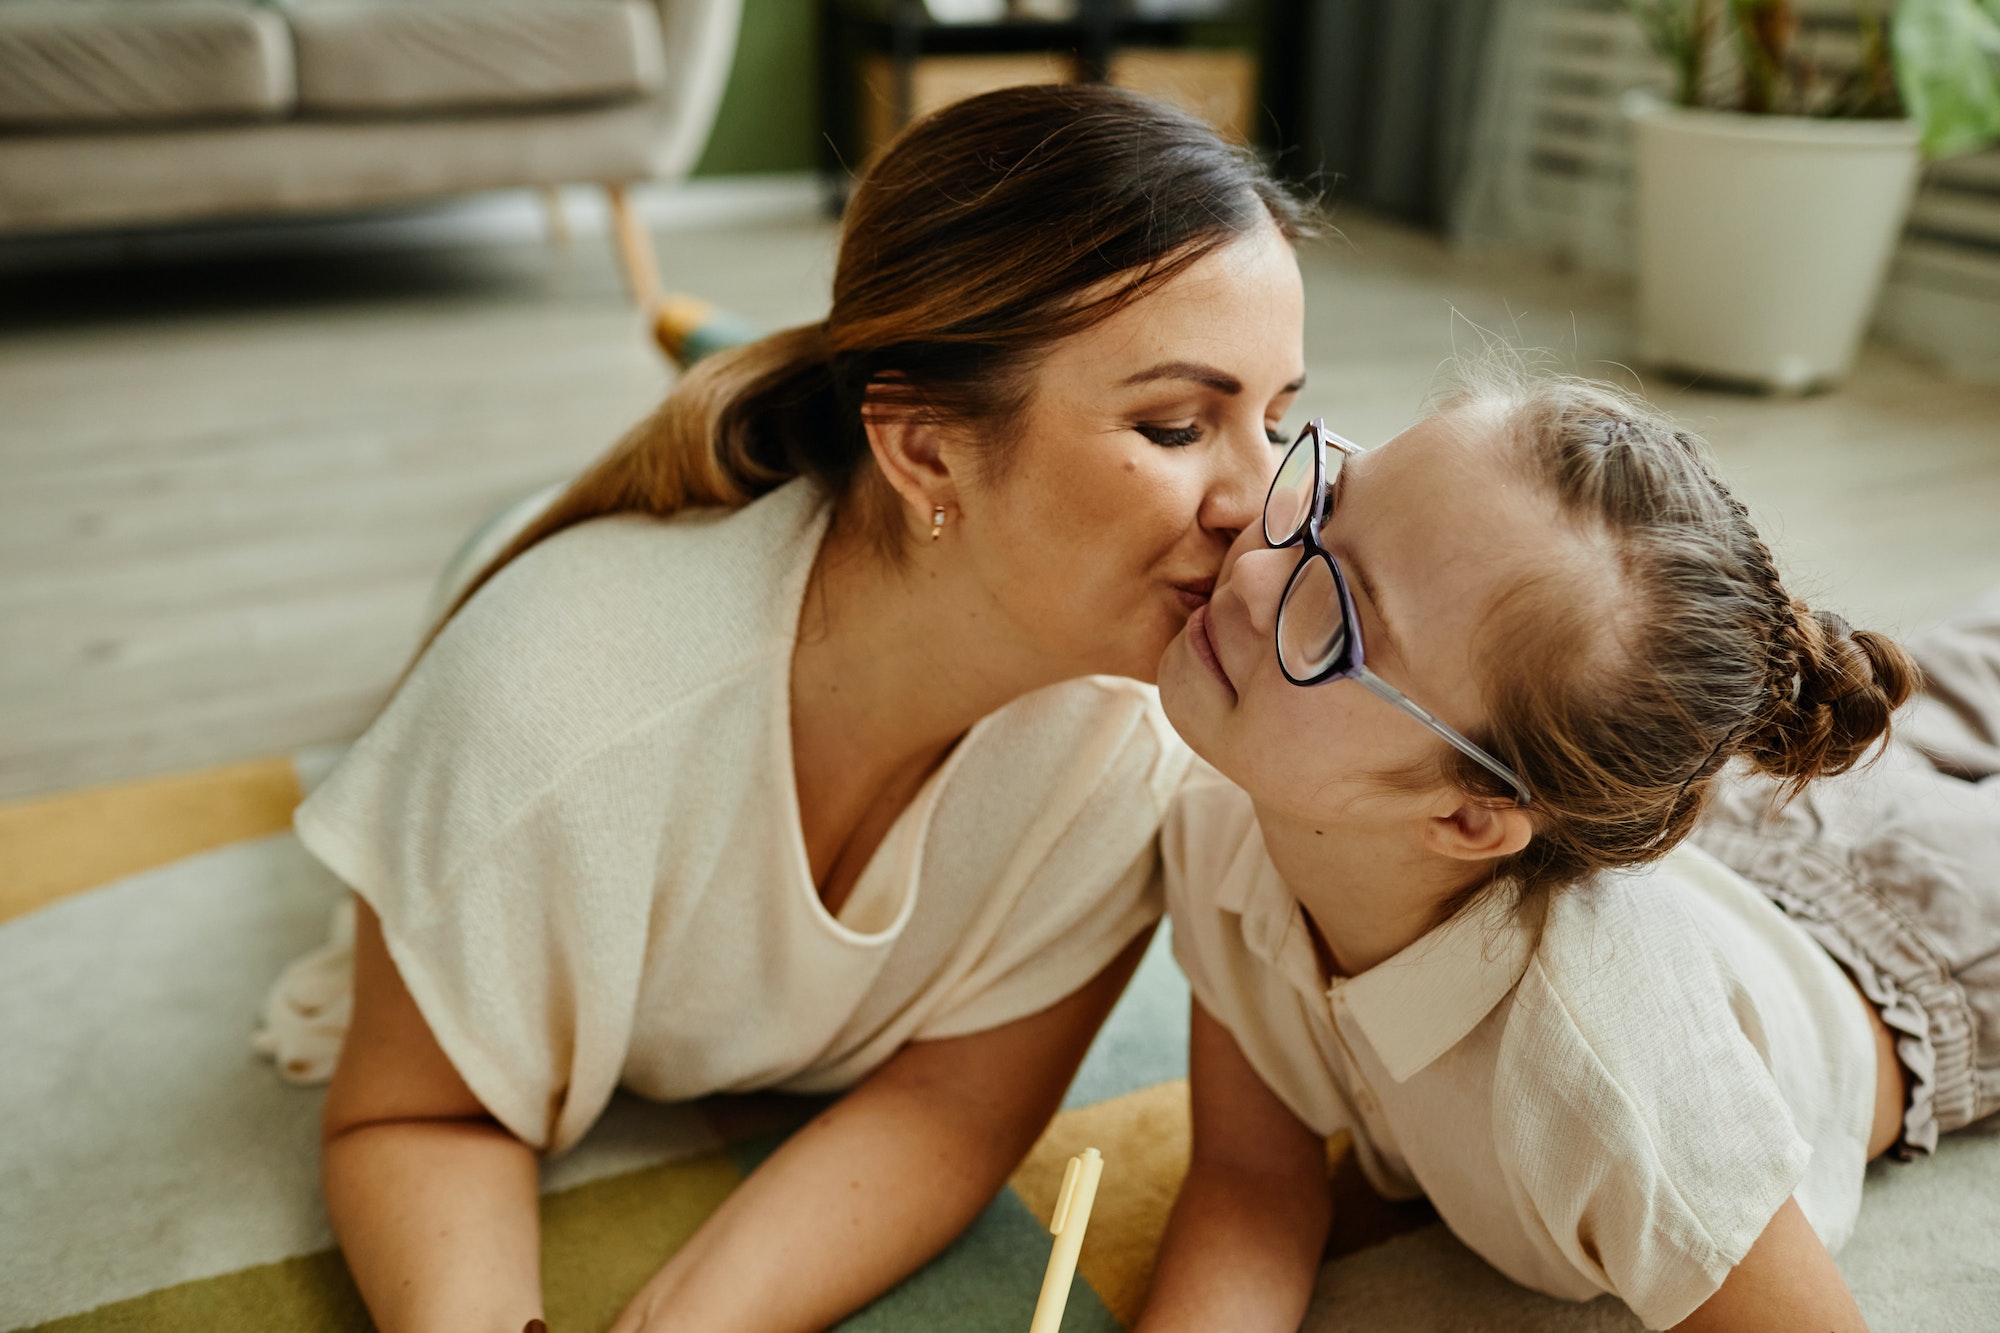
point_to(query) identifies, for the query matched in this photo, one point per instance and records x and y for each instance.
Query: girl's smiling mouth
(1203, 647)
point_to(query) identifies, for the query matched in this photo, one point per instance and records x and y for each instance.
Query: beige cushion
(93, 62)
(361, 56)
(138, 176)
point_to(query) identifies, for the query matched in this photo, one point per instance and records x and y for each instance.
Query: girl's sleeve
(1647, 1137)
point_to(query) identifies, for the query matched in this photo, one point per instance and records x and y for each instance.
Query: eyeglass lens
(1312, 624)
(1290, 501)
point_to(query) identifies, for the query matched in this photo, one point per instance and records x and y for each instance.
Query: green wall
(769, 119)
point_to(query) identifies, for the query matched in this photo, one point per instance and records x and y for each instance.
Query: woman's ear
(1473, 831)
(908, 447)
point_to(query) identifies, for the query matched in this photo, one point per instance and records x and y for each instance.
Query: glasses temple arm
(1384, 690)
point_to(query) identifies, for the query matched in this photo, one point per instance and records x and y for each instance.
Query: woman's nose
(1242, 477)
(1258, 579)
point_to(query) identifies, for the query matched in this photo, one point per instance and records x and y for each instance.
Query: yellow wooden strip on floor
(1144, 1138)
(600, 1242)
(58, 845)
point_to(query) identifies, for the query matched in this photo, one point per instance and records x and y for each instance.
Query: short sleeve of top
(1639, 1122)
(577, 823)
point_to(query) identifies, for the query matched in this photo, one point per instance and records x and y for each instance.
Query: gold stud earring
(937, 522)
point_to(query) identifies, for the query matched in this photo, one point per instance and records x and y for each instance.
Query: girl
(787, 749)
(1466, 928)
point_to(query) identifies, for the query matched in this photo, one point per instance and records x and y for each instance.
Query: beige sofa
(123, 113)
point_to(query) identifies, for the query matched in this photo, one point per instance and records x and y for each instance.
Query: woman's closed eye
(1171, 437)
(1179, 437)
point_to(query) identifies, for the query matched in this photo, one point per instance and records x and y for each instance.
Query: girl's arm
(1242, 1249)
(1788, 1280)
(434, 1203)
(881, 1181)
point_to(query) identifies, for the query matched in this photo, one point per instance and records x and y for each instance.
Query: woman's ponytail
(1835, 700)
(740, 423)
(984, 234)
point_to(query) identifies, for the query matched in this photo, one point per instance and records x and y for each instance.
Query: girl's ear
(1473, 831)
(908, 447)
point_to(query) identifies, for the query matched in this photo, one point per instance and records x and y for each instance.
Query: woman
(827, 782)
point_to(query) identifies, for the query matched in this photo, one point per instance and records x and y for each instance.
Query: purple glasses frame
(1350, 662)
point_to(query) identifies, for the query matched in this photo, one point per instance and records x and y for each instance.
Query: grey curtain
(1385, 94)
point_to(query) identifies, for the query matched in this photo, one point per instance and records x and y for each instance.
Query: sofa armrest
(699, 37)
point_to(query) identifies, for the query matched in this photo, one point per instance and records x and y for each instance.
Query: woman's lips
(1194, 593)
(1203, 647)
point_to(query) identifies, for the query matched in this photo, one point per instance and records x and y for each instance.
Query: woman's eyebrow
(1219, 380)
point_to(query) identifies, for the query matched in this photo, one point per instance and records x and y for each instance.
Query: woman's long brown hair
(983, 235)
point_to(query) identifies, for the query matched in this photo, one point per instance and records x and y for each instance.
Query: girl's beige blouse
(578, 824)
(1612, 1090)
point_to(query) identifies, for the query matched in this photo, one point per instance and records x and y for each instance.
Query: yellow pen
(1072, 1216)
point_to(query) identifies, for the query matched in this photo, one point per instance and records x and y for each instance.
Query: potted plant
(1771, 191)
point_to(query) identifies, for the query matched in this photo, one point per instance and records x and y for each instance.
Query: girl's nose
(1258, 580)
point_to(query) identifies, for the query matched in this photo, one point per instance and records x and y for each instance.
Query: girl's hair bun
(1834, 702)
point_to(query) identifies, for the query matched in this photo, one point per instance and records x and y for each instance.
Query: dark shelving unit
(904, 32)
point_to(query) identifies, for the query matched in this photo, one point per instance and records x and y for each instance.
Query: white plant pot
(1762, 240)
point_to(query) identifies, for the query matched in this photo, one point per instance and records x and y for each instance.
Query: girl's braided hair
(1619, 710)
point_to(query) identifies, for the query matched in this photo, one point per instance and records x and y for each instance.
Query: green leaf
(1678, 31)
(1948, 71)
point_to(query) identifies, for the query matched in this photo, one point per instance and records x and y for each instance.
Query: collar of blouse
(1415, 1006)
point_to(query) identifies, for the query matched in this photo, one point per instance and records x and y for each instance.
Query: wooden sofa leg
(552, 210)
(635, 248)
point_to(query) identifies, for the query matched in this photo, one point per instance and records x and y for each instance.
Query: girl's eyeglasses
(1319, 635)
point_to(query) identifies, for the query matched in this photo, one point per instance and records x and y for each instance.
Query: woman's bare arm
(433, 1201)
(881, 1181)
(1243, 1246)
(1788, 1280)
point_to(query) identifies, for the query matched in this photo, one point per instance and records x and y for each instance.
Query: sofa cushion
(389, 56)
(92, 62)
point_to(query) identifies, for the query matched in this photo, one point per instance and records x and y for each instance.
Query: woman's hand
(1788, 1280)
(1243, 1246)
(879, 1182)
(434, 1202)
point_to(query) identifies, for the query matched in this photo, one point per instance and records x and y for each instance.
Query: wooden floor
(225, 486)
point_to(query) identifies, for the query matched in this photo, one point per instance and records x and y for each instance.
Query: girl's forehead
(1454, 432)
(1446, 494)
(1454, 451)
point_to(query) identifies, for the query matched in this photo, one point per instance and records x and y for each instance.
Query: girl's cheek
(1309, 728)
(1276, 726)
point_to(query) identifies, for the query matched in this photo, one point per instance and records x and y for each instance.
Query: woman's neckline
(798, 595)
